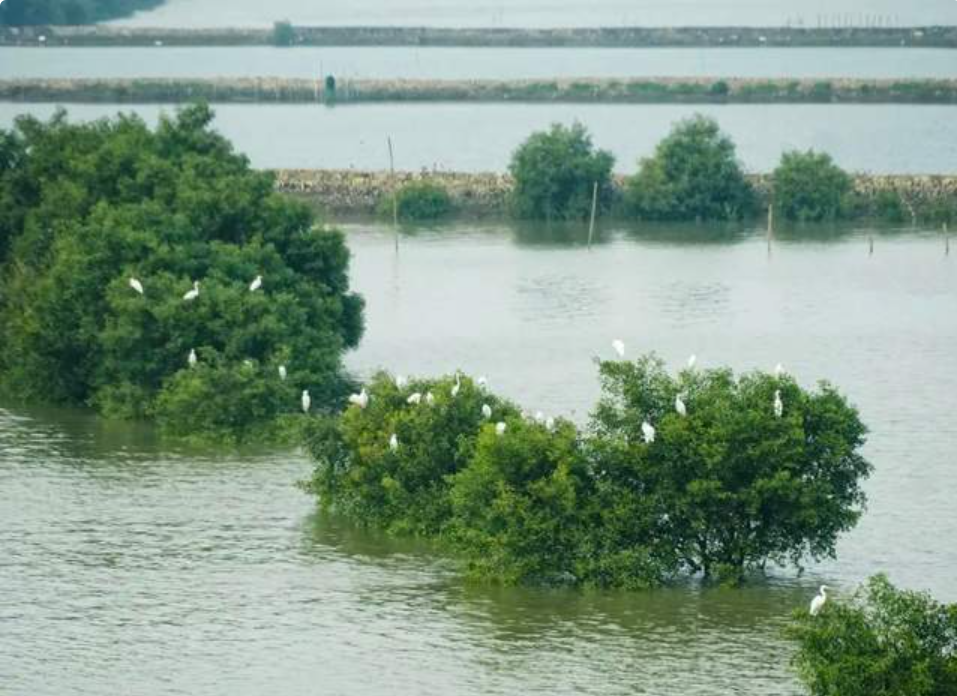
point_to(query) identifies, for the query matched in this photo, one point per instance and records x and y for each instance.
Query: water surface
(172, 571)
(893, 139)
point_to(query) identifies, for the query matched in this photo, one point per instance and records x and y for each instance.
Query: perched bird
(500, 428)
(456, 386)
(415, 399)
(779, 370)
(393, 442)
(680, 406)
(256, 284)
(282, 372)
(539, 417)
(818, 602)
(486, 411)
(778, 404)
(192, 294)
(482, 382)
(429, 398)
(136, 285)
(648, 430)
(619, 347)
(550, 424)
(306, 401)
(691, 361)
(361, 399)
(400, 381)
(192, 359)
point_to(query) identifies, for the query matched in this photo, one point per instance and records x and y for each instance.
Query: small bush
(693, 175)
(283, 34)
(555, 172)
(809, 187)
(417, 201)
(883, 641)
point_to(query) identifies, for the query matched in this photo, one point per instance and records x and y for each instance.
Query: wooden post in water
(395, 200)
(871, 245)
(946, 241)
(770, 226)
(594, 210)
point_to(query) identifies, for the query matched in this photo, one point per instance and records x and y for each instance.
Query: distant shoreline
(608, 37)
(651, 90)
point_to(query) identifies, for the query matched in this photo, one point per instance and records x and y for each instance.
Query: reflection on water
(174, 571)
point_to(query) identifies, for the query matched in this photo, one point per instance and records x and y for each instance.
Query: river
(890, 139)
(547, 13)
(475, 63)
(129, 566)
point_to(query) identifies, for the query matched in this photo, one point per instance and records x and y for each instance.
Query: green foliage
(33, 12)
(283, 34)
(91, 206)
(406, 490)
(694, 174)
(882, 642)
(725, 489)
(555, 172)
(809, 187)
(417, 201)
(731, 487)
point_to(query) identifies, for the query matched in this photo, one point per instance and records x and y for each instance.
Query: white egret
(400, 381)
(415, 399)
(648, 430)
(486, 411)
(778, 404)
(482, 382)
(282, 372)
(394, 442)
(429, 398)
(539, 417)
(550, 424)
(500, 428)
(192, 359)
(680, 406)
(361, 399)
(818, 602)
(306, 401)
(256, 284)
(779, 370)
(192, 294)
(619, 347)
(456, 386)
(136, 285)
(691, 361)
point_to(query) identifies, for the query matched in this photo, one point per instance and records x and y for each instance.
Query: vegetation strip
(285, 34)
(659, 90)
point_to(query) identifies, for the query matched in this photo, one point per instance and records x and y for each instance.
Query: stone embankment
(608, 37)
(660, 90)
(486, 194)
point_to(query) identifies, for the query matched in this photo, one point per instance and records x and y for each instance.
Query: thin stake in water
(395, 200)
(594, 210)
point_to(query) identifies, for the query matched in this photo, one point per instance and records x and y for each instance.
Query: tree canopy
(88, 208)
(33, 12)
(809, 187)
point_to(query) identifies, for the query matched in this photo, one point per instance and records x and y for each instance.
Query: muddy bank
(486, 194)
(609, 37)
(664, 90)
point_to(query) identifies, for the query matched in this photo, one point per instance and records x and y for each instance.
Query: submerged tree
(809, 187)
(94, 207)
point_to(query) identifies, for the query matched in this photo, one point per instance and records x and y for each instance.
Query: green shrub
(692, 175)
(42, 12)
(283, 34)
(809, 187)
(417, 201)
(406, 490)
(882, 641)
(89, 207)
(730, 487)
(555, 172)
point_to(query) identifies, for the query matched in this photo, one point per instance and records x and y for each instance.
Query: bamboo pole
(946, 241)
(770, 234)
(594, 210)
(395, 200)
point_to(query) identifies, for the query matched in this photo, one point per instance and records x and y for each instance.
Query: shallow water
(547, 13)
(474, 63)
(171, 571)
(891, 139)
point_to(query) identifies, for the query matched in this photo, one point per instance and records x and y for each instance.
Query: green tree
(283, 34)
(38, 12)
(555, 172)
(809, 187)
(417, 201)
(694, 174)
(730, 486)
(405, 489)
(97, 204)
(882, 642)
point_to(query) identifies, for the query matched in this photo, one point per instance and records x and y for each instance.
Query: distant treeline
(40, 12)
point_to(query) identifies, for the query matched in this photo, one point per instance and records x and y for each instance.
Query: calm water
(172, 572)
(481, 137)
(469, 63)
(545, 13)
